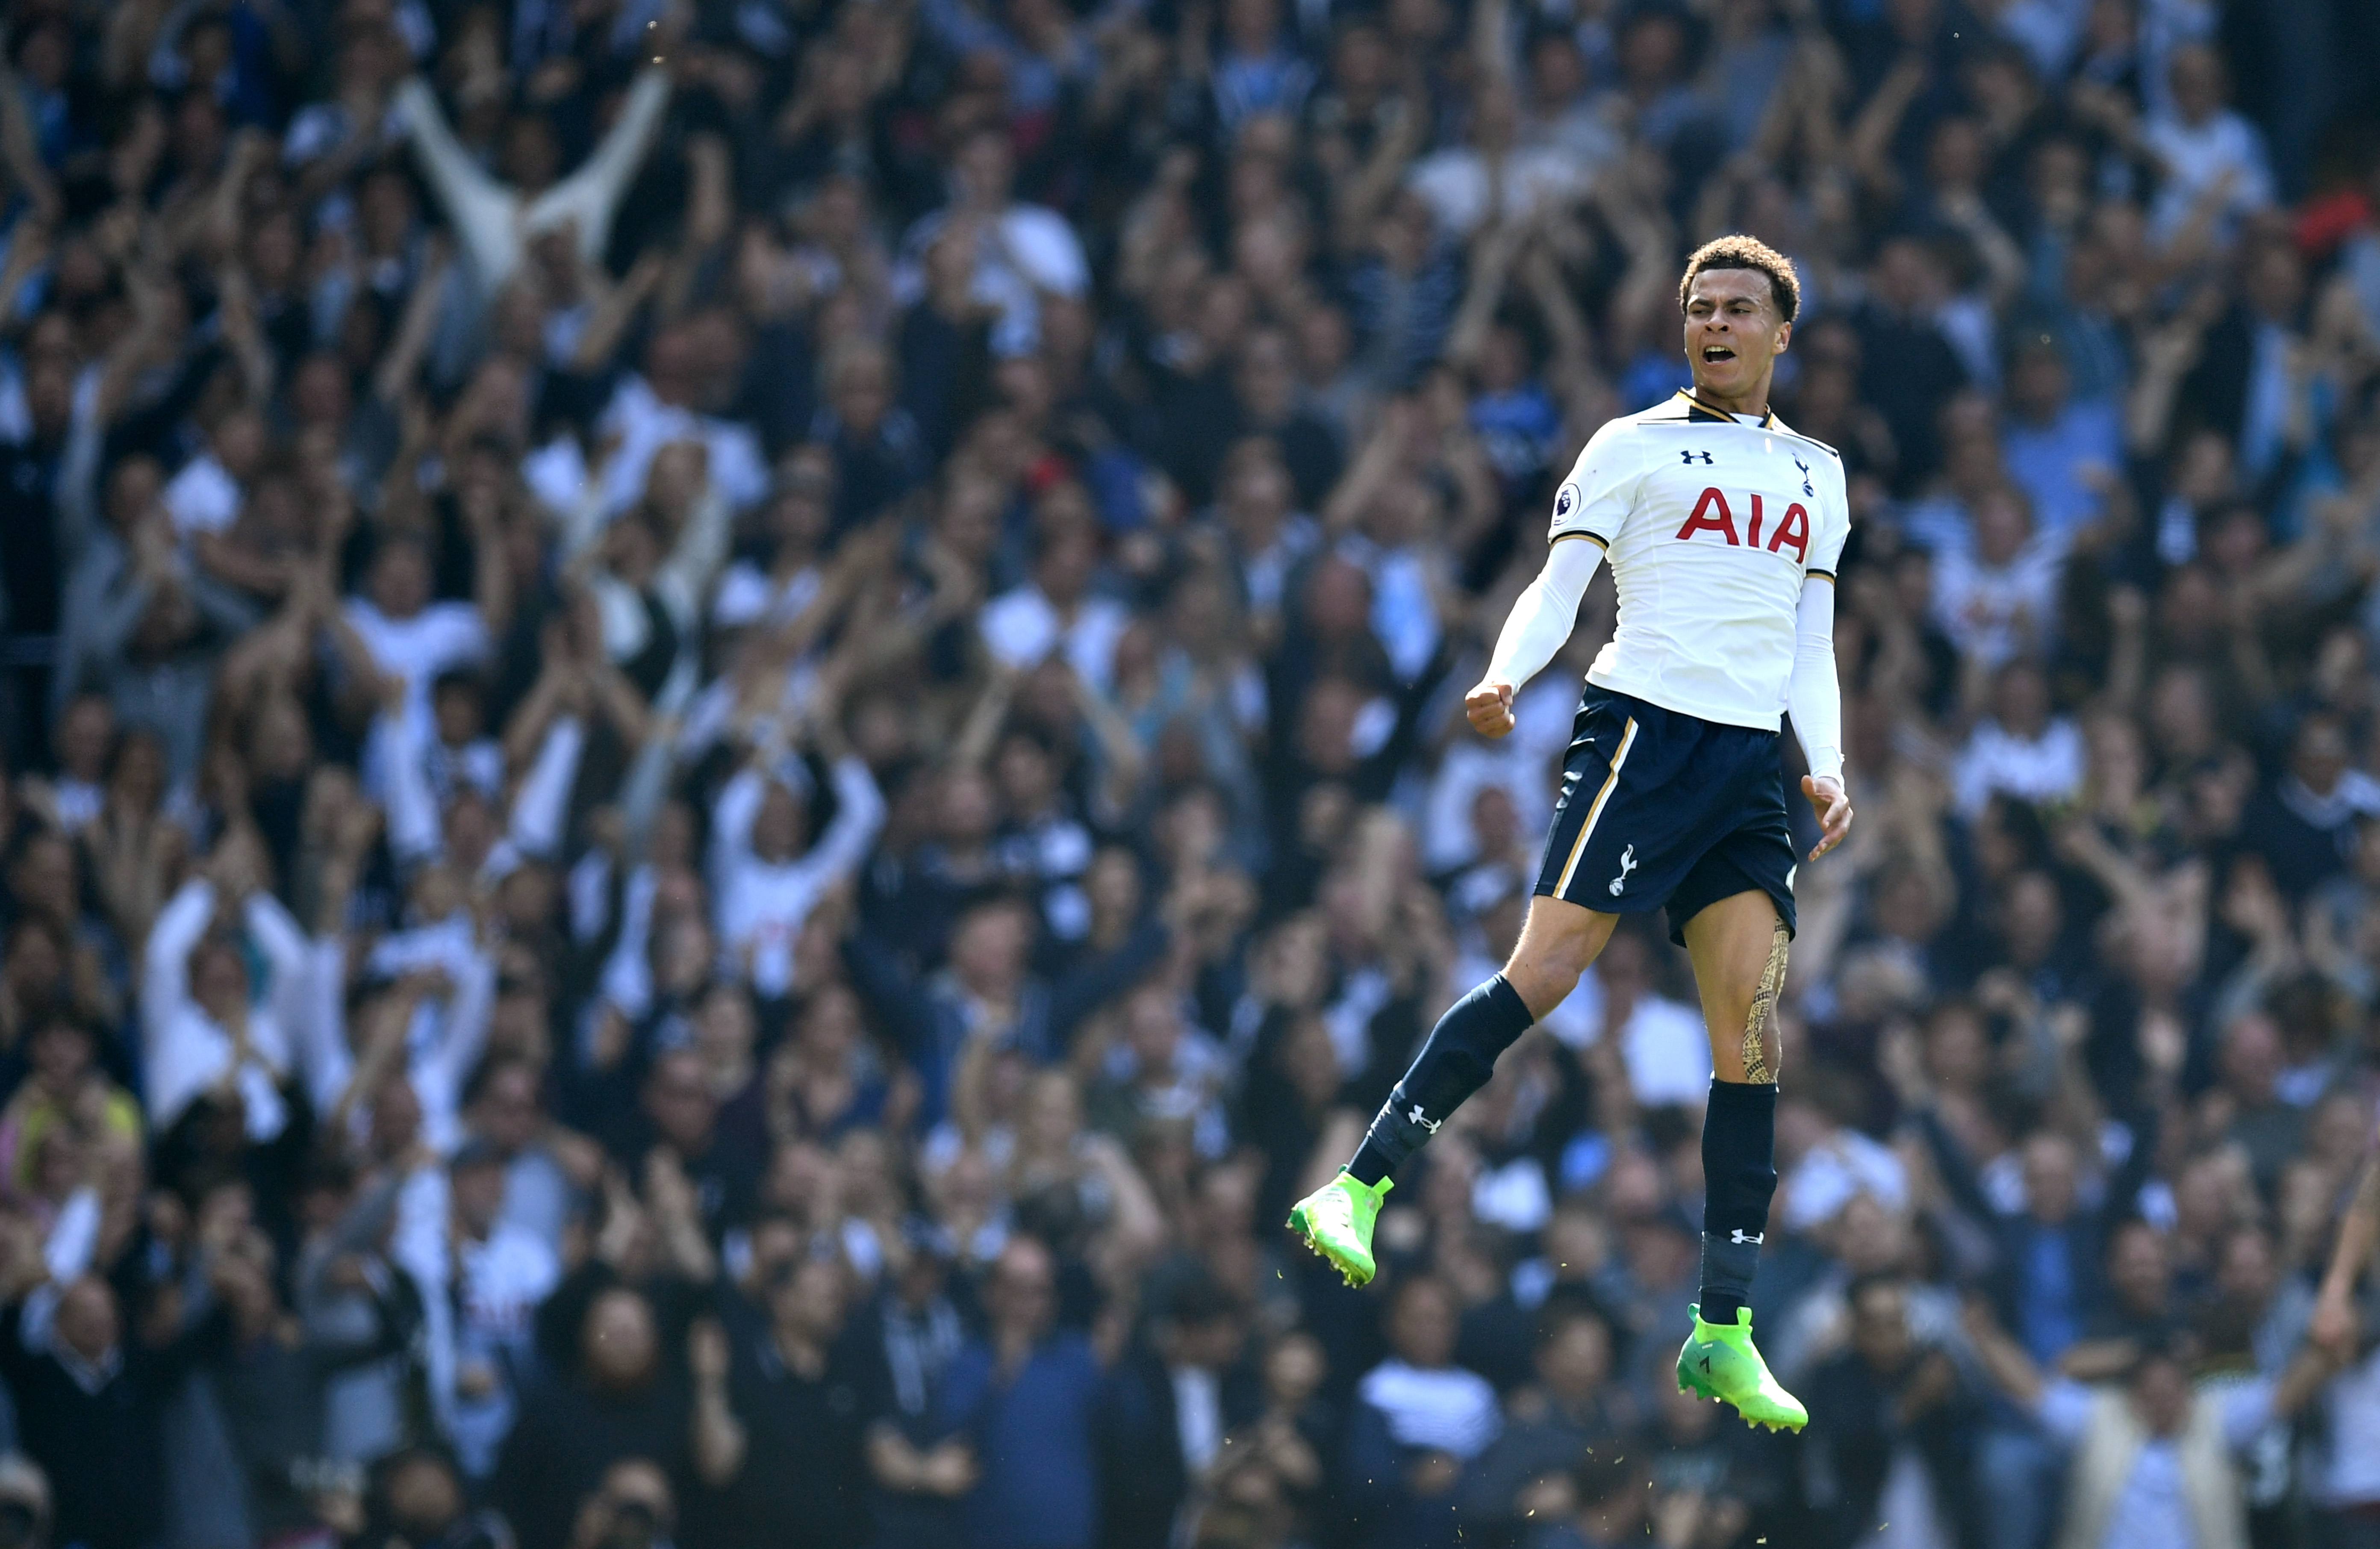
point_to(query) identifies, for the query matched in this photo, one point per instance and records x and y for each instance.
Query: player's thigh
(1638, 804)
(1737, 947)
(1559, 939)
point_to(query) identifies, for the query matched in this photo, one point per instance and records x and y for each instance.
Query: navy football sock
(1456, 1062)
(1739, 1177)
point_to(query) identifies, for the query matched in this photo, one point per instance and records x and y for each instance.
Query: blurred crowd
(730, 732)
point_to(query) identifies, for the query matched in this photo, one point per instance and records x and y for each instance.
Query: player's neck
(1753, 400)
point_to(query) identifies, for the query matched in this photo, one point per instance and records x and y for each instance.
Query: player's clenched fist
(1489, 705)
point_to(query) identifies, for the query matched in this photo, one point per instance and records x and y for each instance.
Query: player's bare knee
(1546, 965)
(1540, 984)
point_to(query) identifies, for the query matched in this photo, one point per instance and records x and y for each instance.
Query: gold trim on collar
(1767, 418)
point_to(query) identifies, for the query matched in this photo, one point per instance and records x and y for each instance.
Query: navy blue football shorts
(1663, 809)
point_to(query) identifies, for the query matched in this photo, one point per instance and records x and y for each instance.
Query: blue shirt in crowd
(1032, 1437)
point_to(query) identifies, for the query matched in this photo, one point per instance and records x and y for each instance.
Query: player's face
(1734, 334)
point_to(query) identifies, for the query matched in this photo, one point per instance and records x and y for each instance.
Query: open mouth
(1718, 351)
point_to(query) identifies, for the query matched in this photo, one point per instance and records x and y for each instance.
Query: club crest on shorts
(1627, 865)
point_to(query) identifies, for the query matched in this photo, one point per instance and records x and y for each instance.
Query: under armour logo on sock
(1627, 865)
(1429, 1124)
(1740, 1236)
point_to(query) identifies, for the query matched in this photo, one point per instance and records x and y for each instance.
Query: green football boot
(1720, 1361)
(1336, 1221)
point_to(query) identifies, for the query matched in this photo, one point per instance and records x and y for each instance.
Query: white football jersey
(1712, 524)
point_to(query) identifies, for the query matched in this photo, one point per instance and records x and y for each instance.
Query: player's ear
(1784, 337)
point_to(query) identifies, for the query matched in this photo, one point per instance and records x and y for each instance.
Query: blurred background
(730, 733)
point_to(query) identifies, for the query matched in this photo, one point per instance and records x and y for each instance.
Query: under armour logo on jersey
(1627, 865)
(1738, 1236)
(1805, 476)
(1429, 1124)
(1690, 457)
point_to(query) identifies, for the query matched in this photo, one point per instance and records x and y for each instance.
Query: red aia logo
(1713, 514)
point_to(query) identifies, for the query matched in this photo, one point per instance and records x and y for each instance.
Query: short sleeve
(1834, 521)
(1595, 500)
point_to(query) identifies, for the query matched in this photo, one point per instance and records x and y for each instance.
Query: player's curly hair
(1745, 252)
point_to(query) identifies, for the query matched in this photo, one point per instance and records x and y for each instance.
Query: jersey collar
(1700, 413)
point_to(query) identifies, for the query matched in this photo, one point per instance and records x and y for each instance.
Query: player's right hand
(1490, 707)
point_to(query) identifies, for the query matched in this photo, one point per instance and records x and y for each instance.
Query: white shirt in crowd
(78, 801)
(1470, 766)
(1907, 1515)
(444, 1040)
(2195, 157)
(2043, 768)
(498, 1283)
(1993, 612)
(748, 595)
(2152, 1512)
(1525, 764)
(398, 769)
(644, 424)
(2350, 1476)
(188, 1053)
(442, 634)
(1447, 1409)
(1458, 186)
(1835, 1171)
(762, 903)
(203, 497)
(1024, 630)
(1197, 1416)
(477, 765)
(1404, 616)
(1662, 1043)
(1026, 253)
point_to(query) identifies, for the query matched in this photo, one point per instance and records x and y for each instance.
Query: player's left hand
(1833, 808)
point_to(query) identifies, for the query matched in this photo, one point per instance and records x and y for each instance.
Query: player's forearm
(1813, 694)
(1542, 616)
